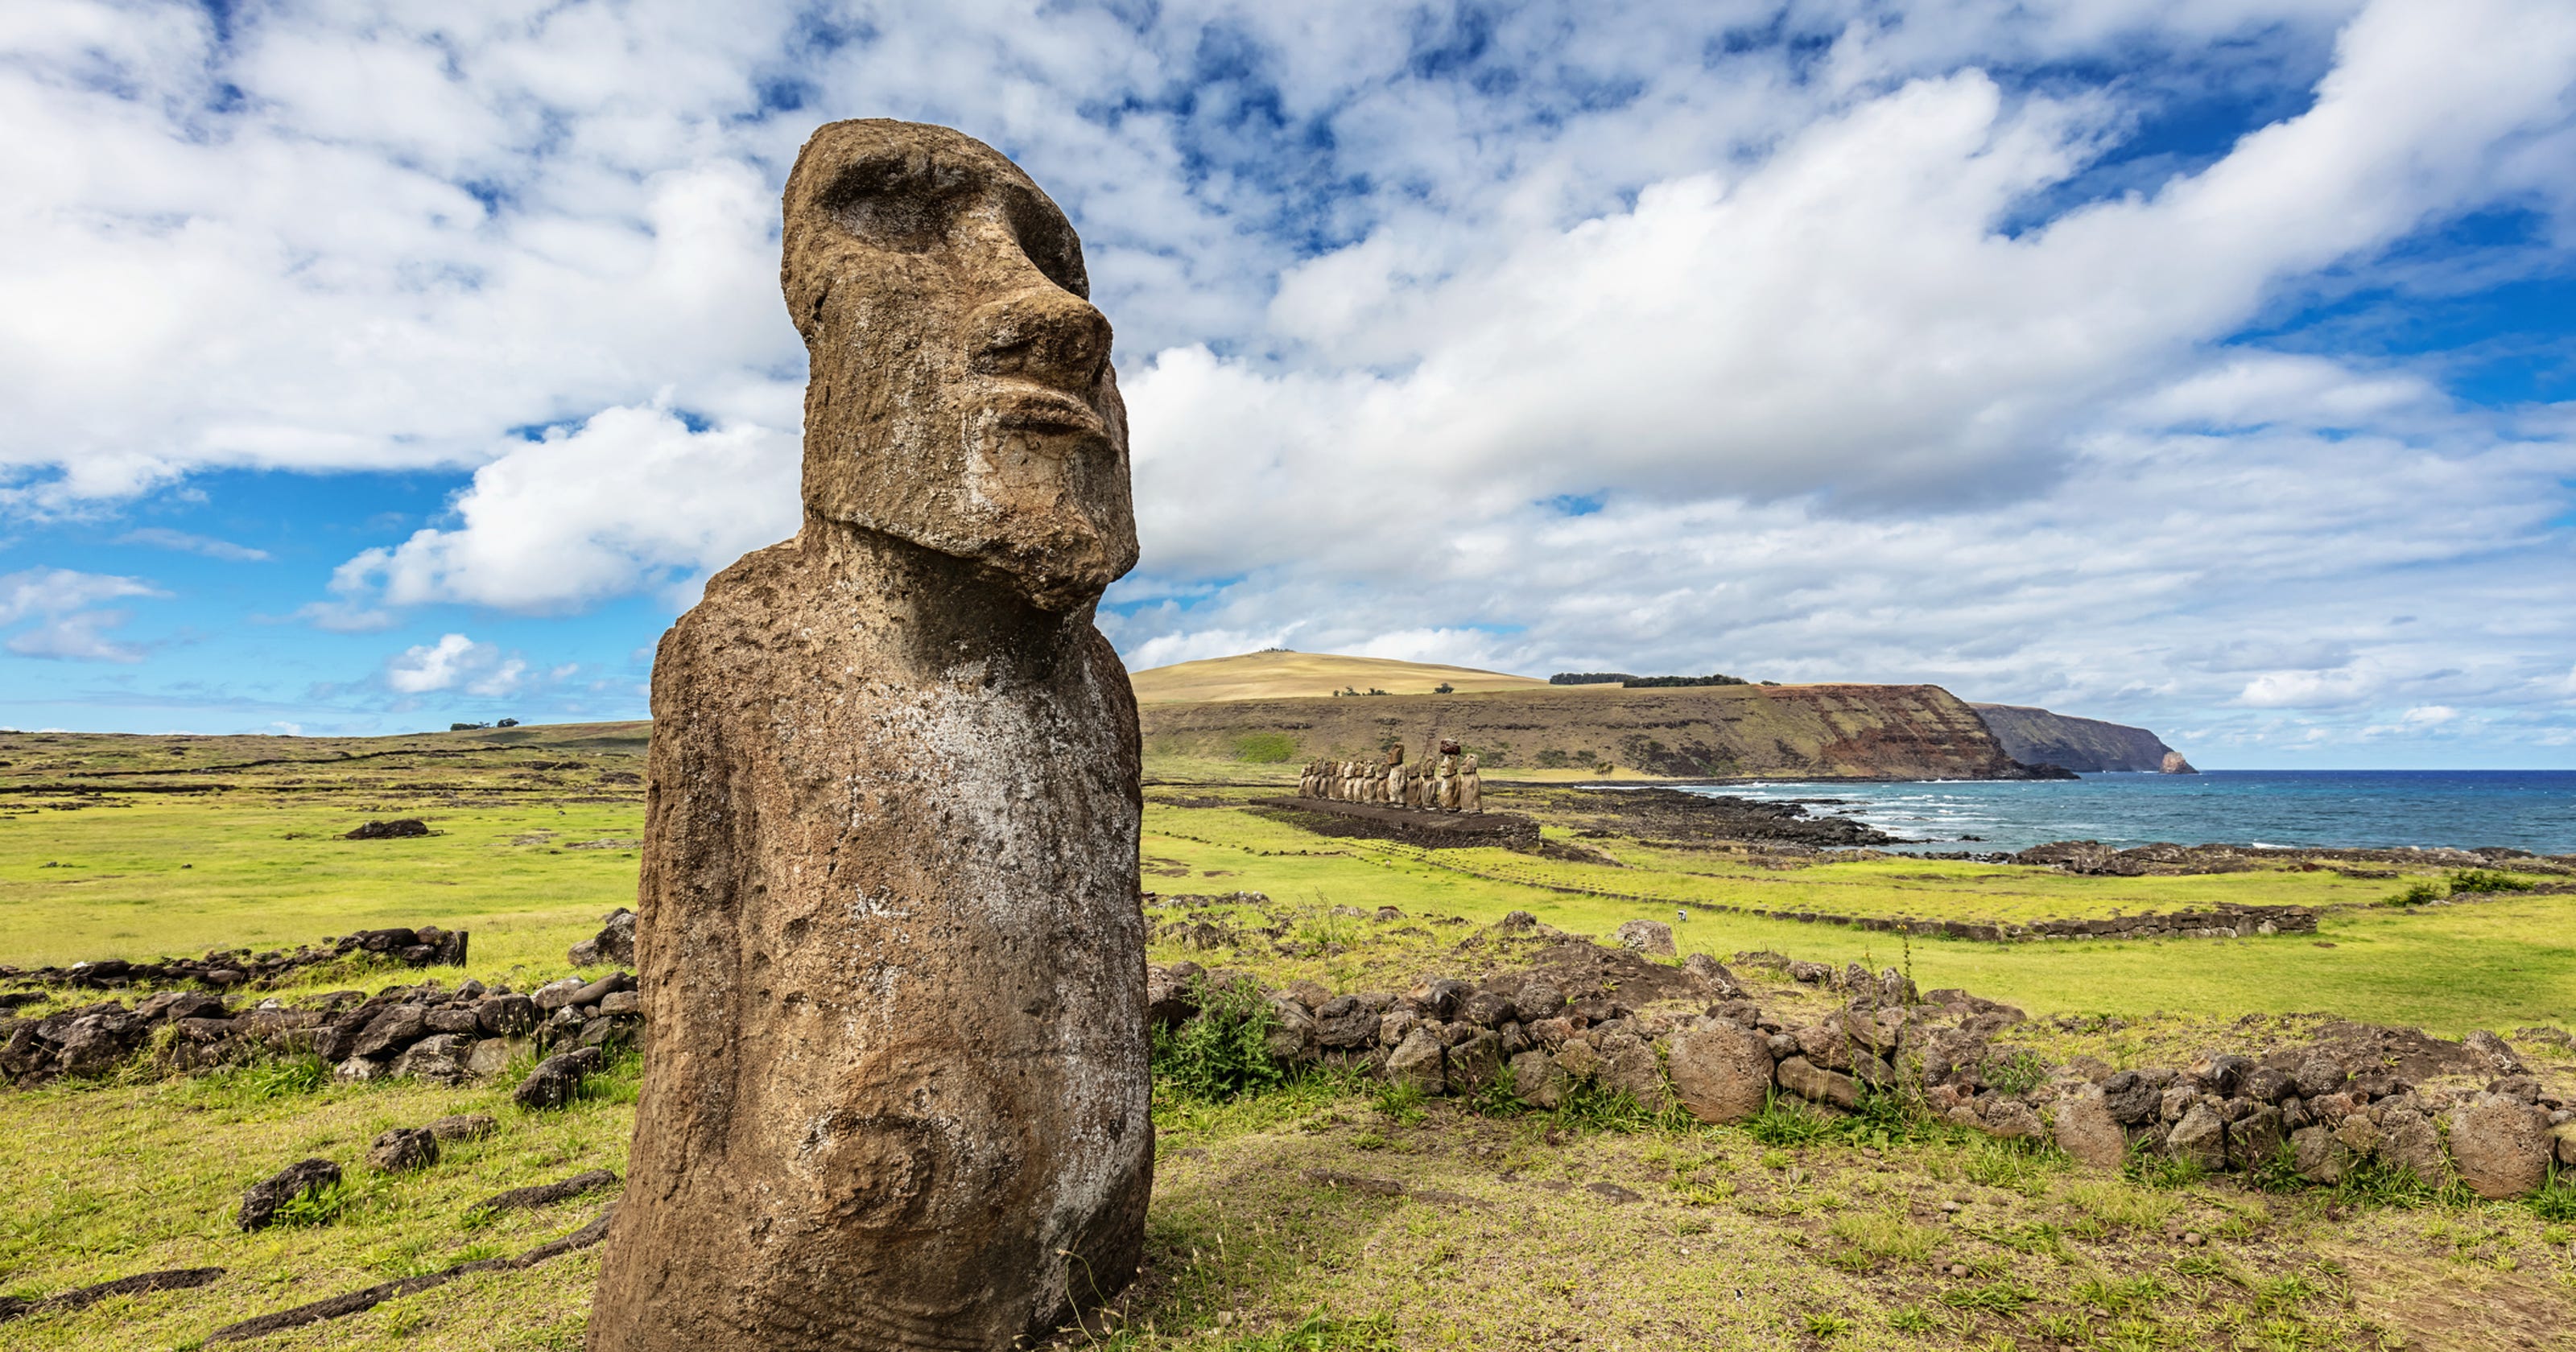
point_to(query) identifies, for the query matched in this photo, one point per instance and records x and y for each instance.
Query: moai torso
(891, 953)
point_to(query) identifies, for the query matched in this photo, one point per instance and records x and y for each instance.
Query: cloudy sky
(2206, 364)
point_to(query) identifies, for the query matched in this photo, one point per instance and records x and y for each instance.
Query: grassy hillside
(1736, 731)
(1274, 675)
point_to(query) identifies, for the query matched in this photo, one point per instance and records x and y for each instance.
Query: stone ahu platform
(1410, 826)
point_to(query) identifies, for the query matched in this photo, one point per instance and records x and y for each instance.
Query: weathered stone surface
(1474, 1063)
(2199, 1137)
(2257, 1137)
(1651, 937)
(1537, 1081)
(493, 1055)
(557, 1079)
(392, 1031)
(2088, 1133)
(1720, 1072)
(462, 1127)
(1815, 1084)
(1578, 1059)
(2409, 1140)
(1292, 1037)
(2009, 1118)
(1421, 1061)
(402, 1150)
(613, 945)
(1631, 1067)
(259, 1205)
(2319, 1157)
(895, 1086)
(438, 1059)
(506, 1015)
(2501, 1146)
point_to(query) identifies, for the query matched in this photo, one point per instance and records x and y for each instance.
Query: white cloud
(575, 516)
(455, 662)
(67, 630)
(161, 537)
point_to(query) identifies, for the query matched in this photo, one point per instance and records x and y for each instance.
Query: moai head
(959, 394)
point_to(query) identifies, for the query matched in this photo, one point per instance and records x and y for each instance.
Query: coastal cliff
(2088, 745)
(1712, 732)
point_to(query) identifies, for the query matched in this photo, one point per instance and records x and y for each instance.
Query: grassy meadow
(1326, 1214)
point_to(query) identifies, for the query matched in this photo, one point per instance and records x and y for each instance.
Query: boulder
(391, 1031)
(2088, 1133)
(2199, 1137)
(2257, 1137)
(2318, 1156)
(359, 1070)
(2410, 1141)
(1292, 1037)
(1420, 1061)
(402, 1150)
(2008, 1118)
(2492, 1050)
(493, 1055)
(506, 1015)
(1720, 1073)
(259, 1205)
(2318, 1077)
(1816, 1084)
(2564, 1134)
(555, 995)
(620, 1004)
(1344, 1024)
(438, 1059)
(1539, 999)
(1475, 1063)
(1578, 1059)
(1712, 974)
(614, 945)
(401, 828)
(2501, 1146)
(462, 1127)
(1631, 1067)
(453, 1019)
(1653, 938)
(1486, 1009)
(557, 1080)
(1537, 1081)
(1171, 994)
(1394, 1026)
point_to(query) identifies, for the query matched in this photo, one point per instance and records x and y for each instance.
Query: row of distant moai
(1450, 784)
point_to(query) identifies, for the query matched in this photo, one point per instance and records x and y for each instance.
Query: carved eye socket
(900, 203)
(1048, 239)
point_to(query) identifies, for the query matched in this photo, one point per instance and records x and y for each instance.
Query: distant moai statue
(895, 1083)
(1471, 788)
(1398, 779)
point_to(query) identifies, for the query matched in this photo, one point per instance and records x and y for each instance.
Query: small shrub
(1222, 1053)
(2422, 893)
(2486, 880)
(1500, 1097)
(1913, 1319)
(2279, 1173)
(1825, 1325)
(1400, 1100)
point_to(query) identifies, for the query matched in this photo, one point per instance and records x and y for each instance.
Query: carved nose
(1043, 333)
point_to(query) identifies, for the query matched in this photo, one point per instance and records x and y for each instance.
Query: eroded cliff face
(1719, 732)
(2089, 745)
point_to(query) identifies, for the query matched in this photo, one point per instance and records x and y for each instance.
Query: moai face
(960, 394)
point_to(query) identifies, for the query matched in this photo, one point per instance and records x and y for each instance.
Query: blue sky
(2200, 365)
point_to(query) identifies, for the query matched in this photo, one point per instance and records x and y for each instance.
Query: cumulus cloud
(631, 496)
(67, 629)
(455, 662)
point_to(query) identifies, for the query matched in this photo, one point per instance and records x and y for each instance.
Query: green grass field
(1522, 1231)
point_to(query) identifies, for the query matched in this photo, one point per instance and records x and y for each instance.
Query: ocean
(2524, 809)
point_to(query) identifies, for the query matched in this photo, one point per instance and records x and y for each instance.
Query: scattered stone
(2200, 1137)
(1815, 1084)
(547, 1194)
(438, 1059)
(260, 1204)
(402, 1150)
(462, 1127)
(401, 828)
(1653, 938)
(613, 945)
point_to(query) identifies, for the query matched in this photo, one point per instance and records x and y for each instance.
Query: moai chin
(895, 1088)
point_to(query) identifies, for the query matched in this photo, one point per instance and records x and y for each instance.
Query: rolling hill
(1281, 674)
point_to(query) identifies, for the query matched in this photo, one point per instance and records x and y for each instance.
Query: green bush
(2428, 890)
(1222, 1053)
(1264, 748)
(2486, 880)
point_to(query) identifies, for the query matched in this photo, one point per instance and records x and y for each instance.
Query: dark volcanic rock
(259, 1205)
(398, 829)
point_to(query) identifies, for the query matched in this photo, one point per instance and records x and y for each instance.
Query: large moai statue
(1471, 786)
(895, 1087)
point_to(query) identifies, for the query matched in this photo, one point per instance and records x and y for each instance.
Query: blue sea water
(2525, 809)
